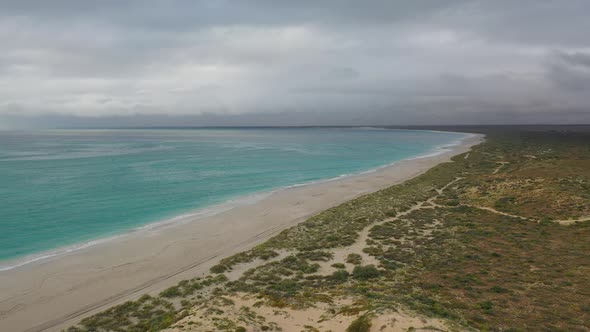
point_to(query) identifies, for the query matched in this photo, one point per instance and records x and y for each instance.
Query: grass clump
(322, 256)
(361, 324)
(354, 259)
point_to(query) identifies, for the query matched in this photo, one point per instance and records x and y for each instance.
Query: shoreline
(54, 293)
(207, 211)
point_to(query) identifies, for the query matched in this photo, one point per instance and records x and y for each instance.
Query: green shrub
(340, 275)
(361, 324)
(339, 265)
(287, 287)
(355, 259)
(296, 263)
(498, 289)
(267, 254)
(171, 292)
(219, 268)
(322, 256)
(503, 202)
(486, 306)
(365, 272)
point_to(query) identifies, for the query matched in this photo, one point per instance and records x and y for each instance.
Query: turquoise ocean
(61, 189)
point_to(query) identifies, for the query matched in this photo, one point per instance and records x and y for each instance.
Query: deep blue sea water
(59, 188)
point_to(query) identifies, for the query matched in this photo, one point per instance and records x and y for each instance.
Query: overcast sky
(272, 62)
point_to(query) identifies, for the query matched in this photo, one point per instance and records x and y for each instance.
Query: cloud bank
(265, 62)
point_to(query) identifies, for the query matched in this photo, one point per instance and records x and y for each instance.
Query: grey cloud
(576, 59)
(293, 61)
(569, 79)
(525, 22)
(570, 72)
(179, 14)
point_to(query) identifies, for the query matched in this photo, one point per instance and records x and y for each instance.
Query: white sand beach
(52, 294)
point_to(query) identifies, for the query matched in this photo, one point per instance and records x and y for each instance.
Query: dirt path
(561, 221)
(295, 320)
(497, 212)
(358, 246)
(502, 163)
(572, 221)
(340, 254)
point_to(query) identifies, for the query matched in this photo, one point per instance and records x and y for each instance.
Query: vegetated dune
(465, 246)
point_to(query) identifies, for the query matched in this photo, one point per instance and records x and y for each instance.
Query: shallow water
(59, 188)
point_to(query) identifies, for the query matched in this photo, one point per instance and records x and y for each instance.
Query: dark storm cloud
(525, 22)
(276, 62)
(569, 73)
(576, 59)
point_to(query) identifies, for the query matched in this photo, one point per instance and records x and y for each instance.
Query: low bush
(365, 272)
(219, 268)
(340, 275)
(355, 259)
(171, 292)
(322, 256)
(361, 324)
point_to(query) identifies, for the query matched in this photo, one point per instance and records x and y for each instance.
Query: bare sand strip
(53, 294)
